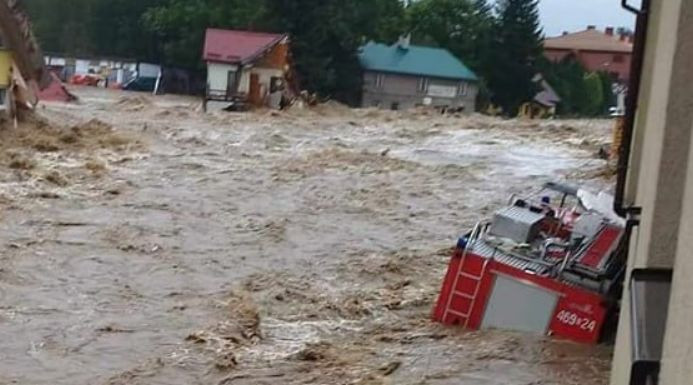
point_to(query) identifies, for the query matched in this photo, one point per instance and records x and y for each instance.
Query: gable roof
(237, 47)
(414, 60)
(589, 40)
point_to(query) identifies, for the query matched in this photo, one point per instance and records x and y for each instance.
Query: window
(423, 85)
(231, 82)
(619, 59)
(379, 80)
(462, 91)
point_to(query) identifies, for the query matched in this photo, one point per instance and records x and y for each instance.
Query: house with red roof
(245, 66)
(595, 50)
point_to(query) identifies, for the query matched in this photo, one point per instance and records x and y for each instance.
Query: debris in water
(20, 162)
(390, 368)
(226, 362)
(114, 329)
(56, 178)
(332, 219)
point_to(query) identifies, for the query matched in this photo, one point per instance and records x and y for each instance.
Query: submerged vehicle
(551, 265)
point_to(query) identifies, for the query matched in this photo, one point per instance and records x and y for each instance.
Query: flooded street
(144, 242)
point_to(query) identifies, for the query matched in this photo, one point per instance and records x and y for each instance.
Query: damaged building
(245, 67)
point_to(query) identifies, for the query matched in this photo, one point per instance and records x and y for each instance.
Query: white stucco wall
(82, 67)
(265, 77)
(678, 341)
(660, 160)
(244, 82)
(218, 75)
(266, 74)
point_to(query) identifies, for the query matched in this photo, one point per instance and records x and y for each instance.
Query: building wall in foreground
(661, 182)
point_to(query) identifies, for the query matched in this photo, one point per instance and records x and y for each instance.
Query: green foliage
(464, 27)
(516, 48)
(180, 25)
(609, 98)
(94, 27)
(582, 93)
(59, 25)
(567, 78)
(326, 36)
(595, 92)
(501, 43)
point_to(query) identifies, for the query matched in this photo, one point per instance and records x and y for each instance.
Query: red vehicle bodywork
(529, 284)
(579, 314)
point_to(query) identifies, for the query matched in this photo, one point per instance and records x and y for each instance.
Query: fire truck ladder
(462, 310)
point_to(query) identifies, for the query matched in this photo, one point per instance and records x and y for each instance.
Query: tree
(326, 36)
(93, 27)
(567, 79)
(595, 92)
(116, 29)
(59, 25)
(517, 47)
(607, 86)
(180, 25)
(461, 26)
(582, 93)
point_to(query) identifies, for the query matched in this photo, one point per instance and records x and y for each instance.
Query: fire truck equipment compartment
(517, 224)
(517, 306)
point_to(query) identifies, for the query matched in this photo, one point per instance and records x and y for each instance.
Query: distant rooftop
(414, 60)
(590, 40)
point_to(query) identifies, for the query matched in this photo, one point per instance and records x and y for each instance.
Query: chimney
(404, 42)
(591, 27)
(609, 31)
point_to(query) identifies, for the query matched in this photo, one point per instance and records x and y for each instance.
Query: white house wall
(266, 74)
(244, 84)
(82, 67)
(265, 77)
(218, 75)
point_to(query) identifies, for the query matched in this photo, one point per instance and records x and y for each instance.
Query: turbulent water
(144, 242)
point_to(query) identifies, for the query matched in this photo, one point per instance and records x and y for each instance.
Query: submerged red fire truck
(549, 265)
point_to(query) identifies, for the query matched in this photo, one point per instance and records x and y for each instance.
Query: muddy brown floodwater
(144, 242)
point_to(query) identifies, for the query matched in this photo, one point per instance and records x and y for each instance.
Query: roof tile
(414, 60)
(588, 40)
(237, 46)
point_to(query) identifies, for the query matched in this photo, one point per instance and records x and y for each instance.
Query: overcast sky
(576, 15)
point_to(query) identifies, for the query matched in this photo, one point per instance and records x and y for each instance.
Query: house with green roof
(402, 76)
